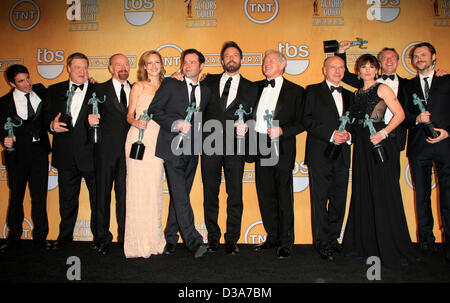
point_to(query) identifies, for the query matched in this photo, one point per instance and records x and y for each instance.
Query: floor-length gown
(376, 224)
(144, 235)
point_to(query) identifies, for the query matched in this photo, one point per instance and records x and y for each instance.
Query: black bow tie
(392, 77)
(271, 82)
(338, 88)
(74, 86)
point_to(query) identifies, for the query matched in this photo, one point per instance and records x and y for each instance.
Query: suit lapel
(281, 98)
(113, 97)
(326, 94)
(84, 106)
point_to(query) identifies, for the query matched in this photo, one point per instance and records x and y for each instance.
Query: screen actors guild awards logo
(200, 13)
(82, 15)
(327, 12)
(441, 13)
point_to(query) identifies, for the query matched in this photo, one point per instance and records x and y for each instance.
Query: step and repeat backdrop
(41, 34)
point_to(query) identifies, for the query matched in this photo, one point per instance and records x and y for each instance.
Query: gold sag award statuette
(95, 131)
(428, 127)
(9, 126)
(275, 142)
(331, 46)
(138, 148)
(378, 150)
(240, 112)
(333, 149)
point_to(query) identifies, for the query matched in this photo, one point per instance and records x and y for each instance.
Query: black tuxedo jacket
(439, 108)
(113, 122)
(24, 134)
(72, 147)
(288, 112)
(321, 119)
(169, 105)
(246, 95)
(399, 134)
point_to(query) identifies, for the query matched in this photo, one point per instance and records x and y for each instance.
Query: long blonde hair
(142, 74)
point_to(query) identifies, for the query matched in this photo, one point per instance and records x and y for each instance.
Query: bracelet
(384, 133)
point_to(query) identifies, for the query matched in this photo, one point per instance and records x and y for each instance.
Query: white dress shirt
(197, 91)
(118, 87)
(422, 82)
(393, 84)
(21, 103)
(77, 100)
(233, 87)
(337, 96)
(268, 100)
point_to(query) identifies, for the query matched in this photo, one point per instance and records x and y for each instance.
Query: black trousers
(180, 176)
(32, 168)
(69, 182)
(328, 184)
(276, 203)
(421, 171)
(233, 167)
(109, 172)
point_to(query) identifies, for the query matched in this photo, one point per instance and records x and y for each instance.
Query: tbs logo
(383, 10)
(296, 65)
(137, 11)
(50, 64)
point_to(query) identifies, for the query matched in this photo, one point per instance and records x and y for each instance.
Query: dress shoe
(265, 245)
(9, 245)
(169, 249)
(283, 253)
(43, 244)
(199, 251)
(95, 245)
(232, 248)
(103, 249)
(427, 248)
(337, 248)
(326, 254)
(212, 246)
(59, 244)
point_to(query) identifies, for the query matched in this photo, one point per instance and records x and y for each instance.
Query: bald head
(119, 67)
(334, 69)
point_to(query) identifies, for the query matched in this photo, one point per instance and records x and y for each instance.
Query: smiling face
(78, 71)
(153, 65)
(334, 70)
(22, 82)
(120, 68)
(423, 59)
(273, 66)
(388, 62)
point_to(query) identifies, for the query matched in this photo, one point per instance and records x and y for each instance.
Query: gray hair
(281, 57)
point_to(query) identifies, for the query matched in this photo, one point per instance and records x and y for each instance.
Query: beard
(232, 68)
(123, 75)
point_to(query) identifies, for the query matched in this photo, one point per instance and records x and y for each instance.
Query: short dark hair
(426, 44)
(13, 70)
(227, 45)
(77, 56)
(201, 58)
(363, 59)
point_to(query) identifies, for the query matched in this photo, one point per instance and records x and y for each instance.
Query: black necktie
(338, 88)
(30, 111)
(123, 97)
(193, 93)
(427, 88)
(74, 86)
(271, 82)
(392, 77)
(226, 90)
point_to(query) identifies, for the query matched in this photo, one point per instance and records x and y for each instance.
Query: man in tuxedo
(325, 104)
(28, 163)
(109, 153)
(274, 178)
(72, 154)
(229, 90)
(423, 151)
(173, 101)
(388, 58)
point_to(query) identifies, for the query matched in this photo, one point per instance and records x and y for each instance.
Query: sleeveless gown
(144, 234)
(376, 224)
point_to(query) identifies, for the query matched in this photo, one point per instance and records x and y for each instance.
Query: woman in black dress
(376, 224)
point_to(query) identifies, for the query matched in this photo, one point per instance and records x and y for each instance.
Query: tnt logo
(50, 63)
(138, 12)
(406, 59)
(383, 10)
(27, 228)
(255, 233)
(261, 11)
(408, 178)
(171, 55)
(296, 65)
(24, 15)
